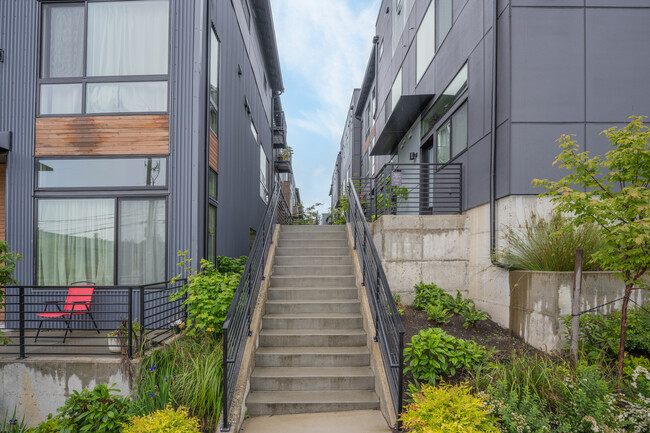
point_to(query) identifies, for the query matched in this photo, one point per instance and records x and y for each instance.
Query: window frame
(449, 118)
(439, 40)
(85, 80)
(264, 184)
(212, 104)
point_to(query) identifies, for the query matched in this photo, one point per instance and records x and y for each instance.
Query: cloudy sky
(324, 48)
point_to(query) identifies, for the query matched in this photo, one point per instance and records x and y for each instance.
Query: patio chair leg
(67, 327)
(93, 319)
(39, 331)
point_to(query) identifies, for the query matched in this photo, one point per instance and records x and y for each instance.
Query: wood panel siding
(102, 135)
(214, 152)
(3, 199)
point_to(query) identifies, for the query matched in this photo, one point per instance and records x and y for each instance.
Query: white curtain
(66, 41)
(60, 99)
(143, 97)
(76, 241)
(142, 250)
(128, 38)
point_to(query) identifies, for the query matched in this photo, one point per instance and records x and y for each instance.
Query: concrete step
(312, 293)
(305, 243)
(312, 321)
(304, 356)
(284, 402)
(312, 379)
(315, 269)
(313, 251)
(341, 235)
(312, 281)
(311, 229)
(312, 260)
(312, 337)
(319, 306)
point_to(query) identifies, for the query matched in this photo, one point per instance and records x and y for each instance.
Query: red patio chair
(77, 303)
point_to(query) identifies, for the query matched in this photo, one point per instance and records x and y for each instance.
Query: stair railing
(236, 328)
(389, 331)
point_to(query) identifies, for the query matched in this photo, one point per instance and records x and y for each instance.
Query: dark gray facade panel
(595, 142)
(457, 7)
(476, 106)
(550, 3)
(488, 43)
(186, 113)
(476, 175)
(19, 38)
(548, 65)
(488, 8)
(503, 168)
(618, 64)
(534, 147)
(503, 4)
(503, 69)
(618, 3)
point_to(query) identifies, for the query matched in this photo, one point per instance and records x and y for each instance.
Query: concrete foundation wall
(39, 386)
(539, 301)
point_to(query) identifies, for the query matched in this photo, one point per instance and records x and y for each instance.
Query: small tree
(612, 193)
(8, 260)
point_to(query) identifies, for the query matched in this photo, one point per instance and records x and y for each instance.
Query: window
(452, 136)
(102, 173)
(368, 122)
(212, 184)
(448, 97)
(381, 48)
(76, 241)
(425, 42)
(444, 20)
(84, 43)
(264, 167)
(212, 233)
(214, 83)
(254, 131)
(396, 91)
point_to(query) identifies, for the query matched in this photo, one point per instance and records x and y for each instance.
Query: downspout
(375, 42)
(493, 143)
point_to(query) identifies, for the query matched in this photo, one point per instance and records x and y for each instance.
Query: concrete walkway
(362, 421)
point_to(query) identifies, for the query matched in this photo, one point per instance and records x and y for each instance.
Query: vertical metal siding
(19, 38)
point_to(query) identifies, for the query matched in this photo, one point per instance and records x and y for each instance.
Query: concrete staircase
(312, 355)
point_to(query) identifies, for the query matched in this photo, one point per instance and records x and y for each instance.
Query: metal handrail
(236, 327)
(389, 331)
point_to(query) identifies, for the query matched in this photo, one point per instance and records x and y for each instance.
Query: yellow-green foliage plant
(448, 409)
(165, 420)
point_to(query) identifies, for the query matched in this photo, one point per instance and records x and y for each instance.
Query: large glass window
(444, 20)
(212, 184)
(396, 91)
(125, 40)
(102, 173)
(264, 164)
(444, 102)
(76, 241)
(425, 42)
(212, 233)
(452, 136)
(214, 83)
(142, 250)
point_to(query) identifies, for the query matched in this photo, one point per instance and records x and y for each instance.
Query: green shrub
(8, 261)
(433, 354)
(51, 425)
(426, 294)
(339, 212)
(550, 244)
(472, 316)
(461, 304)
(98, 410)
(11, 424)
(230, 265)
(447, 409)
(165, 420)
(209, 295)
(436, 312)
(187, 372)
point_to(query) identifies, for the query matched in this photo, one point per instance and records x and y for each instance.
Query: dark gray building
(136, 130)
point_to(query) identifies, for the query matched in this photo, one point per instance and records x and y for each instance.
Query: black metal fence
(236, 328)
(388, 325)
(412, 189)
(59, 321)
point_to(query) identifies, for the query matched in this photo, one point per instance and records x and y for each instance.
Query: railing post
(142, 320)
(226, 425)
(21, 320)
(365, 266)
(130, 327)
(400, 385)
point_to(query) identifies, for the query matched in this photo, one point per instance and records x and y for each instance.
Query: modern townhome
(132, 130)
(466, 99)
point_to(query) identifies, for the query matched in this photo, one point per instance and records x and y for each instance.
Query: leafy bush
(51, 425)
(550, 244)
(186, 372)
(10, 424)
(96, 410)
(8, 261)
(461, 304)
(209, 295)
(447, 409)
(472, 315)
(230, 265)
(165, 420)
(436, 312)
(426, 294)
(339, 212)
(433, 353)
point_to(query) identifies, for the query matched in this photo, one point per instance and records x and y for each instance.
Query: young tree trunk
(621, 344)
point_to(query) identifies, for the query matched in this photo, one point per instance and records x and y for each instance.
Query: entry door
(426, 178)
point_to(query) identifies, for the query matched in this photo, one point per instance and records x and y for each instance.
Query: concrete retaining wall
(539, 300)
(38, 386)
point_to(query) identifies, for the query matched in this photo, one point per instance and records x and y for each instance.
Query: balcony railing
(412, 189)
(282, 160)
(142, 316)
(279, 130)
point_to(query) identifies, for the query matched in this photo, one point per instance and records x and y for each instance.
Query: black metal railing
(413, 189)
(49, 321)
(279, 130)
(389, 331)
(236, 328)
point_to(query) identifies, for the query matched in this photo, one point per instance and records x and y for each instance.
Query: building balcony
(279, 130)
